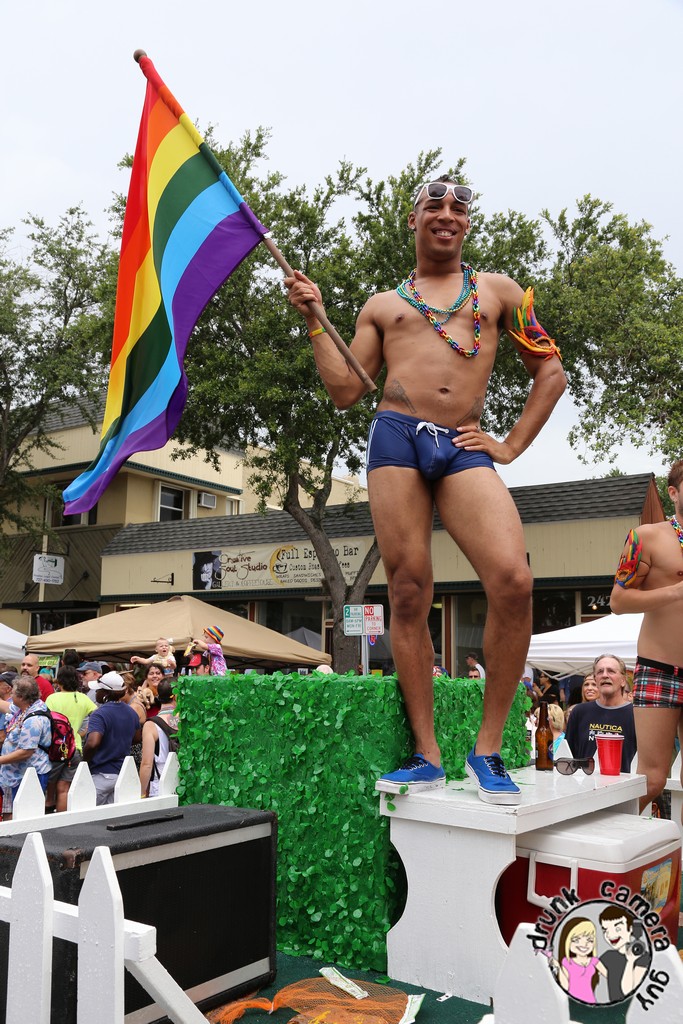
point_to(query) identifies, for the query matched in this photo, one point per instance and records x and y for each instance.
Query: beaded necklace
(678, 528)
(409, 292)
(17, 720)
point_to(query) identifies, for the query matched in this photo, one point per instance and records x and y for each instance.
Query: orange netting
(317, 1001)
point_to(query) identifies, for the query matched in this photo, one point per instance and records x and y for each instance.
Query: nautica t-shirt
(590, 717)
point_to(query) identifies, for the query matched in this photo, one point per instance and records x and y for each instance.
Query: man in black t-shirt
(610, 713)
(629, 958)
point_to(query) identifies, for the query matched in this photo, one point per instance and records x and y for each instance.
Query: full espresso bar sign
(265, 567)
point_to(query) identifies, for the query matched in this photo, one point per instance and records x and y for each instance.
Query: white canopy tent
(11, 645)
(566, 651)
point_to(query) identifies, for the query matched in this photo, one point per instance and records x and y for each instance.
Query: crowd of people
(97, 712)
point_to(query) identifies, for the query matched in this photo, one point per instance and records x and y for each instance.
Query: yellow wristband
(318, 330)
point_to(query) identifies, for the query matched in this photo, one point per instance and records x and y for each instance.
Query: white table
(454, 848)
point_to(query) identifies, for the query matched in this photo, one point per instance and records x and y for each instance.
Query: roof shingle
(539, 503)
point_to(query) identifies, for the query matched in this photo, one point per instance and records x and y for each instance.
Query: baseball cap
(90, 666)
(109, 681)
(8, 677)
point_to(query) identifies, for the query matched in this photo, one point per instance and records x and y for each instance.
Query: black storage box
(203, 875)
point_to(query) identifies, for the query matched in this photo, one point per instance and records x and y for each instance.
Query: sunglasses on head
(569, 765)
(440, 189)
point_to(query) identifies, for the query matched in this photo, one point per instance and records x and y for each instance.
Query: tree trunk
(345, 650)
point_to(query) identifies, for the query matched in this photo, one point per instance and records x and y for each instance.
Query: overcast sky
(546, 101)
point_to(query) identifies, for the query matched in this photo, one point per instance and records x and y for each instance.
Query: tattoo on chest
(395, 392)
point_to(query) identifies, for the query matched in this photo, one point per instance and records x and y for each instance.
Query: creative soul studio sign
(264, 567)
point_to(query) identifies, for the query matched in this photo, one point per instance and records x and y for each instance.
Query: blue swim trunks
(399, 440)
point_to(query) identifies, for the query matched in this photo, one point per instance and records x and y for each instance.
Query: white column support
(450, 884)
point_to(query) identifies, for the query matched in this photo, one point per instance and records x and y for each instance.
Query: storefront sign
(264, 567)
(48, 569)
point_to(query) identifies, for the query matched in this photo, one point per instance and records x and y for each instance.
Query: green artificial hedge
(310, 748)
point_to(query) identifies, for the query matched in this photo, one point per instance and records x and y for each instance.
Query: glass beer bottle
(544, 740)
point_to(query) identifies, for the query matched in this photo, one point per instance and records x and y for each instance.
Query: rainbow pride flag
(185, 230)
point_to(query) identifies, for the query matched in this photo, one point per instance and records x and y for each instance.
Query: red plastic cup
(609, 747)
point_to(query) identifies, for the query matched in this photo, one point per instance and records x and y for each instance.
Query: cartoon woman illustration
(578, 971)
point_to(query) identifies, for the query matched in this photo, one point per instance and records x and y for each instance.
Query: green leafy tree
(663, 490)
(56, 313)
(617, 307)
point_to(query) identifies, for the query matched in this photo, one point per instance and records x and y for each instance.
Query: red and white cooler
(643, 854)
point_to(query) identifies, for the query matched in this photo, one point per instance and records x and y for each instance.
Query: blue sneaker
(414, 776)
(495, 785)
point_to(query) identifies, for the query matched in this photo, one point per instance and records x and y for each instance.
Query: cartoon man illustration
(628, 959)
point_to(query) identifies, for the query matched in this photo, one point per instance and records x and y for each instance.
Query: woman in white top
(155, 739)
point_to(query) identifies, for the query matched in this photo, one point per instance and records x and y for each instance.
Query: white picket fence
(28, 811)
(107, 943)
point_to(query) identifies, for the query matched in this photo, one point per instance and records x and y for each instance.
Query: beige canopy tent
(135, 631)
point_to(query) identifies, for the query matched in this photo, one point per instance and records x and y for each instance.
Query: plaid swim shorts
(656, 685)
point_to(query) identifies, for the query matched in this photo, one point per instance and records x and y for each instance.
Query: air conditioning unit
(206, 500)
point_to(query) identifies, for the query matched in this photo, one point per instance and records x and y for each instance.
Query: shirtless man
(425, 446)
(649, 579)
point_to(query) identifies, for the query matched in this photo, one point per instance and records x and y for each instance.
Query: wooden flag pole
(322, 317)
(318, 310)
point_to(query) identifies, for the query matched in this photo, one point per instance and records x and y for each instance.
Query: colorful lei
(678, 528)
(529, 333)
(629, 561)
(409, 292)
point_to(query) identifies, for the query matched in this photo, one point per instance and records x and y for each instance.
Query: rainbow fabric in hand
(629, 561)
(529, 333)
(185, 230)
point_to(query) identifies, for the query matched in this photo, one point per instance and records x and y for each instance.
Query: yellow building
(152, 488)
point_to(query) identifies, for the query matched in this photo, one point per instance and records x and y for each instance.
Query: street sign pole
(363, 621)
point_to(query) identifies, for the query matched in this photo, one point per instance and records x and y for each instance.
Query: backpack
(63, 743)
(172, 734)
(172, 741)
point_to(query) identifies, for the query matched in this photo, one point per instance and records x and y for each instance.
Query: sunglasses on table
(569, 765)
(440, 189)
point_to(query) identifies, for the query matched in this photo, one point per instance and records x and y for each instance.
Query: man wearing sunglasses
(611, 712)
(649, 579)
(438, 333)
